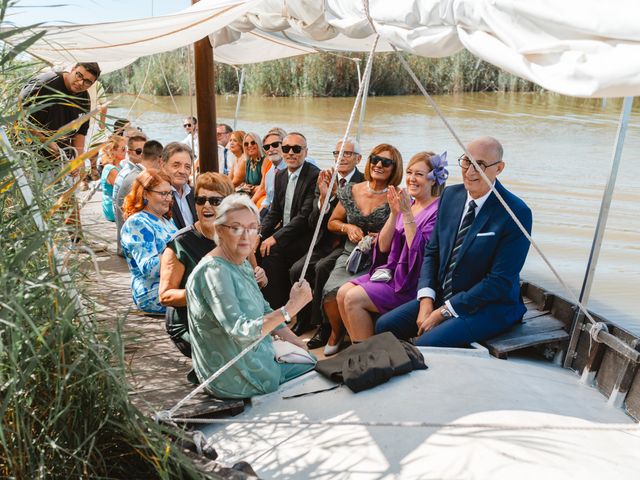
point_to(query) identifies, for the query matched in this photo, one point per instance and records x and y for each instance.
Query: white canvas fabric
(584, 48)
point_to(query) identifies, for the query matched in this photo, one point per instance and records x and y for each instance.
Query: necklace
(376, 192)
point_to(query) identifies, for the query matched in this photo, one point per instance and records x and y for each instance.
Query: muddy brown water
(557, 149)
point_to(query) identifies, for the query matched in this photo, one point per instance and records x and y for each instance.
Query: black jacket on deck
(297, 230)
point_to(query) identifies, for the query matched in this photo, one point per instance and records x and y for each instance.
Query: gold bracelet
(410, 221)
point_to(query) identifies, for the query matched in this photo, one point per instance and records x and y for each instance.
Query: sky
(27, 12)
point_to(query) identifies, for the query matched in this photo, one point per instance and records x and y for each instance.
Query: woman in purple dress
(399, 250)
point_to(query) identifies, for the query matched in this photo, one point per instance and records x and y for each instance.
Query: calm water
(557, 149)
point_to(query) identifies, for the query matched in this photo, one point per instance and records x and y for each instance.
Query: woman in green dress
(227, 311)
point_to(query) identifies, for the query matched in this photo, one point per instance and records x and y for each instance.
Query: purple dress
(404, 262)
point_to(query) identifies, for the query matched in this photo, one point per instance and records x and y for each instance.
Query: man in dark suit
(469, 288)
(328, 245)
(285, 229)
(177, 161)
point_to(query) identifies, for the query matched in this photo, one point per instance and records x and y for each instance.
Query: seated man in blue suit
(469, 288)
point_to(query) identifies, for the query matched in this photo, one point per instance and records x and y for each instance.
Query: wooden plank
(536, 331)
(615, 372)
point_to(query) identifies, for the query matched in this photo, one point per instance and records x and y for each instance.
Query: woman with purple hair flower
(393, 278)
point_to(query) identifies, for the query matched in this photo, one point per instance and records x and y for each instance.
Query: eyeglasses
(187, 125)
(162, 194)
(296, 148)
(465, 163)
(238, 230)
(213, 201)
(220, 134)
(386, 162)
(85, 81)
(252, 143)
(345, 154)
(137, 151)
(269, 146)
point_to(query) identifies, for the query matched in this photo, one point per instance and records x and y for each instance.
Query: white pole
(363, 105)
(240, 87)
(596, 245)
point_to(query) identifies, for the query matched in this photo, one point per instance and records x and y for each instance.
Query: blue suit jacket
(486, 278)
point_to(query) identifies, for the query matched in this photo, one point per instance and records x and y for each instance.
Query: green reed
(320, 75)
(64, 403)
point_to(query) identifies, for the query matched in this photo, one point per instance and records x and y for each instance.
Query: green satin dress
(226, 310)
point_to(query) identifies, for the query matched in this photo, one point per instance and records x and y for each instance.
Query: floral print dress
(143, 238)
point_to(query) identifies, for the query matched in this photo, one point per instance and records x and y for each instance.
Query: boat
(471, 414)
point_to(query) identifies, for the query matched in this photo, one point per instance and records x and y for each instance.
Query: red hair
(146, 180)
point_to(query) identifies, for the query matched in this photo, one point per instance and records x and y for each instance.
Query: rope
(167, 415)
(144, 82)
(493, 189)
(166, 82)
(323, 209)
(595, 329)
(634, 427)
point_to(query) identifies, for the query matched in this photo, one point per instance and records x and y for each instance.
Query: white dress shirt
(183, 204)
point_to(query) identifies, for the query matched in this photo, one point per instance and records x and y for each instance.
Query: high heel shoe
(330, 350)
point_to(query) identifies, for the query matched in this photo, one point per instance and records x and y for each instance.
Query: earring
(145, 202)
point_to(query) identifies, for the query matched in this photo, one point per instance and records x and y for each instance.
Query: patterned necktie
(288, 198)
(462, 233)
(342, 182)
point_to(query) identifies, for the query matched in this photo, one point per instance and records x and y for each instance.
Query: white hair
(354, 142)
(232, 203)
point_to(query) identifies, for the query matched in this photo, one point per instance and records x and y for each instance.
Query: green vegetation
(321, 75)
(64, 406)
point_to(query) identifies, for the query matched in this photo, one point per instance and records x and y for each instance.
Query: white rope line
(166, 82)
(623, 427)
(144, 82)
(424, 92)
(168, 414)
(323, 209)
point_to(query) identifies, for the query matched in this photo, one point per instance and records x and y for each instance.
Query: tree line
(318, 75)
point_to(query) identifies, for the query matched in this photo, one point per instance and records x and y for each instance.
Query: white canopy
(584, 48)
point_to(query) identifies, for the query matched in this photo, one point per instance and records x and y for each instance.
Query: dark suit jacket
(326, 239)
(176, 214)
(297, 230)
(487, 272)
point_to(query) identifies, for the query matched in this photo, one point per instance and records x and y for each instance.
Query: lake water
(557, 152)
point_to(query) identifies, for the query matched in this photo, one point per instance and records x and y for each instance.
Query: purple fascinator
(439, 174)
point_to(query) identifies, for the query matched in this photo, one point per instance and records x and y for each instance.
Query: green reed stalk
(64, 403)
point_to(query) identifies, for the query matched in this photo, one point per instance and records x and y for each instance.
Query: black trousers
(276, 265)
(320, 267)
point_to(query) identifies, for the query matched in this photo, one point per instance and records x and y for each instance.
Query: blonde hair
(108, 157)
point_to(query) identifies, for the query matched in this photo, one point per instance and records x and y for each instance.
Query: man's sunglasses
(187, 125)
(213, 201)
(268, 146)
(295, 148)
(375, 159)
(137, 151)
(252, 143)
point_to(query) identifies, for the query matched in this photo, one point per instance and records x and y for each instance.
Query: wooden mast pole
(205, 104)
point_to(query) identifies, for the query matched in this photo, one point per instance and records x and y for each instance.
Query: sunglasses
(213, 201)
(375, 159)
(187, 125)
(137, 151)
(268, 146)
(295, 148)
(252, 143)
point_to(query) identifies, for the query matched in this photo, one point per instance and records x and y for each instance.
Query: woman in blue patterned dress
(145, 234)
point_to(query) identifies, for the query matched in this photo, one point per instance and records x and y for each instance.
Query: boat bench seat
(546, 322)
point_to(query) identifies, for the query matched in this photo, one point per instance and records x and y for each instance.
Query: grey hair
(354, 142)
(233, 203)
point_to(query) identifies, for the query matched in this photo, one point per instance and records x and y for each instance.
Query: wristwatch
(285, 314)
(446, 314)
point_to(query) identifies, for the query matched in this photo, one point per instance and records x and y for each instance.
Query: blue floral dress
(143, 238)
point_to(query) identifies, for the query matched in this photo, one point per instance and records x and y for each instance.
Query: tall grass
(64, 405)
(321, 75)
